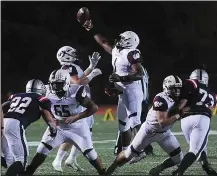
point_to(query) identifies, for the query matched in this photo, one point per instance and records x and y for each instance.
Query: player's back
(25, 107)
(161, 102)
(200, 98)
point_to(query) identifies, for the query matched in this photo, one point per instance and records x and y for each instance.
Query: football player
(67, 101)
(156, 128)
(24, 109)
(68, 59)
(127, 76)
(195, 123)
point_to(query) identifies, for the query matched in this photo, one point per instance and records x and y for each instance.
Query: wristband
(2, 127)
(177, 116)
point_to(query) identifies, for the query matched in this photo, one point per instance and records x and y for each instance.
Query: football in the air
(83, 15)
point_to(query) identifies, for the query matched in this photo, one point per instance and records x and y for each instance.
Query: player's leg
(200, 126)
(118, 144)
(7, 159)
(149, 149)
(71, 161)
(82, 139)
(123, 123)
(45, 147)
(205, 164)
(171, 146)
(141, 140)
(62, 151)
(15, 135)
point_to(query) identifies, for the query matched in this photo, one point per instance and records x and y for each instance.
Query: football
(83, 15)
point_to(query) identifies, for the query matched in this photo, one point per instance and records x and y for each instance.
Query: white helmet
(200, 75)
(59, 82)
(128, 39)
(37, 86)
(172, 85)
(66, 55)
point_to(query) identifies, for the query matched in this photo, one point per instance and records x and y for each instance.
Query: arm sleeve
(6, 106)
(189, 87)
(134, 57)
(81, 95)
(160, 104)
(44, 103)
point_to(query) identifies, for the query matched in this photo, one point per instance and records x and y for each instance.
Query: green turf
(107, 131)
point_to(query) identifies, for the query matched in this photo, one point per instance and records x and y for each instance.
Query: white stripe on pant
(16, 140)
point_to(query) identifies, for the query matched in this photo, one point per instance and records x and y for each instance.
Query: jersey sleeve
(81, 95)
(160, 104)
(189, 87)
(134, 57)
(44, 103)
(72, 69)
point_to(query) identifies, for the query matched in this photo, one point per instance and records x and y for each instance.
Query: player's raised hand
(88, 25)
(114, 77)
(94, 59)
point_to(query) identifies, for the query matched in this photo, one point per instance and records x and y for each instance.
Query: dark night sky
(176, 37)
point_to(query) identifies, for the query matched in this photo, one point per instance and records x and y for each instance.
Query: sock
(73, 154)
(187, 161)
(167, 164)
(15, 168)
(60, 155)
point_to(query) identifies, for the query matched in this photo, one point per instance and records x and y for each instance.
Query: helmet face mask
(127, 40)
(67, 55)
(172, 86)
(59, 82)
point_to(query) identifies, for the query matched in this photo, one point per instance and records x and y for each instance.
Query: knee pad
(44, 148)
(177, 155)
(130, 152)
(90, 154)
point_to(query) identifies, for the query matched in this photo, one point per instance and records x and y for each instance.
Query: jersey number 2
(205, 95)
(18, 105)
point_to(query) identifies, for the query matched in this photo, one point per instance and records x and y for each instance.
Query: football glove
(53, 130)
(94, 59)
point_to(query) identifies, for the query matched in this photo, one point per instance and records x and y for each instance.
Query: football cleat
(57, 166)
(73, 164)
(136, 159)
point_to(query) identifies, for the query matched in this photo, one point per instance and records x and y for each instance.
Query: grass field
(104, 134)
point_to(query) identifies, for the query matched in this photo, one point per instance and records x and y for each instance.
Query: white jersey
(67, 105)
(121, 62)
(161, 102)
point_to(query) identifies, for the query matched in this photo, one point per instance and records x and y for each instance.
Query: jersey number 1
(18, 105)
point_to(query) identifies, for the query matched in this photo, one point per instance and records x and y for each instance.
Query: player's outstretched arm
(164, 119)
(94, 59)
(85, 101)
(100, 39)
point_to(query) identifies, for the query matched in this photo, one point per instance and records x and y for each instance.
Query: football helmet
(200, 75)
(37, 86)
(59, 82)
(128, 39)
(66, 55)
(172, 85)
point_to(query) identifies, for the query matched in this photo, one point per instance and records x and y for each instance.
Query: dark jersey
(25, 107)
(200, 98)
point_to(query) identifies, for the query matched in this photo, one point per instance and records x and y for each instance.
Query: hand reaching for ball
(83, 16)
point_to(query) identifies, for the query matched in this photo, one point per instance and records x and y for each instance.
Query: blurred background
(176, 38)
